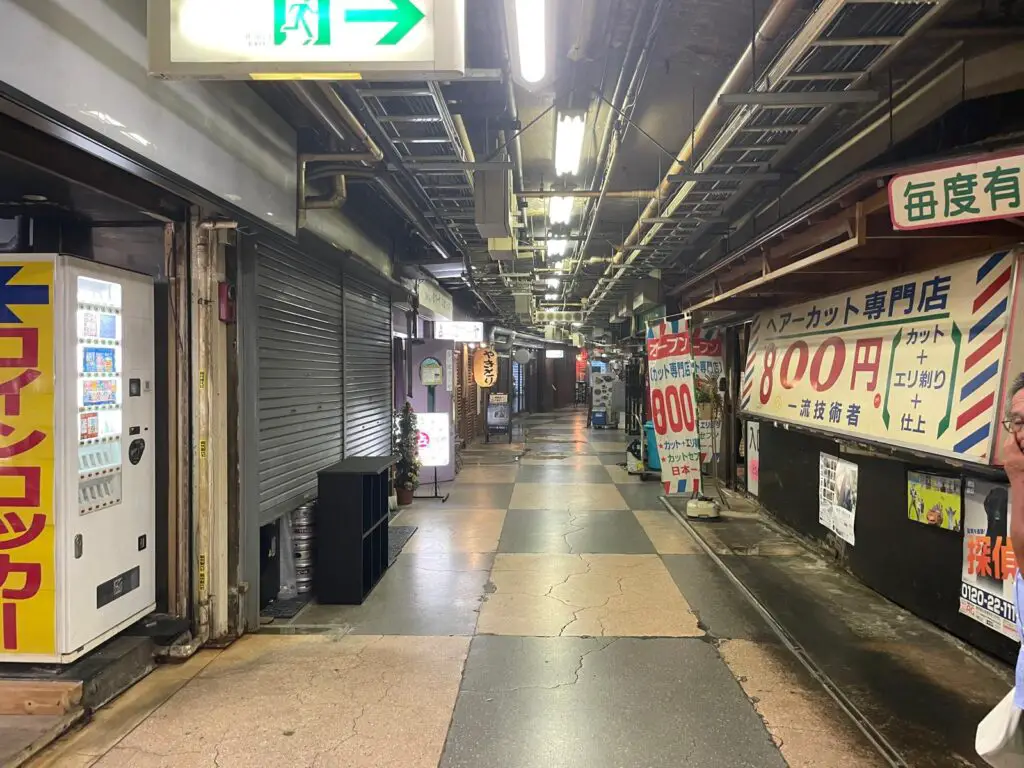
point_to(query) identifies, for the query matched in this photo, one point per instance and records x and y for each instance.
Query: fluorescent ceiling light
(569, 143)
(559, 266)
(531, 20)
(557, 247)
(550, 297)
(553, 282)
(560, 210)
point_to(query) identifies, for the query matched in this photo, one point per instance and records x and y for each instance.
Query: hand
(1013, 459)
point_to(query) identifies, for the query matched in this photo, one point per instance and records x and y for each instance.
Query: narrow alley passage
(551, 613)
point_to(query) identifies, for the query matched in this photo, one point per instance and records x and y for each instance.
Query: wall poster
(989, 563)
(753, 451)
(837, 496)
(935, 500)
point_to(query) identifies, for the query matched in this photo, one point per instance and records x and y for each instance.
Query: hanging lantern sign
(485, 367)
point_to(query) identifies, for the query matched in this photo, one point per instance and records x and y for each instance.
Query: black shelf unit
(352, 529)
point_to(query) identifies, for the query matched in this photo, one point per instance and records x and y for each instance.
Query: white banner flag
(673, 411)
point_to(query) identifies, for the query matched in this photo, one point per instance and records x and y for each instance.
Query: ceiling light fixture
(550, 297)
(557, 247)
(553, 282)
(569, 143)
(531, 20)
(560, 210)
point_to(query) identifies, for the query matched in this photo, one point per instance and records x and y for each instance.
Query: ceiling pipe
(739, 79)
(515, 148)
(330, 119)
(588, 193)
(625, 92)
(336, 199)
(423, 227)
(394, 193)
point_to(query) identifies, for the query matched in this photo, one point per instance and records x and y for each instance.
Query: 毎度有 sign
(942, 196)
(914, 362)
(673, 405)
(302, 39)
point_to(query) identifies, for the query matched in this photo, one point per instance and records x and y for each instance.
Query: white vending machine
(77, 455)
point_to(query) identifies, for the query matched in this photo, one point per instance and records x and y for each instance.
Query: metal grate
(837, 49)
(420, 127)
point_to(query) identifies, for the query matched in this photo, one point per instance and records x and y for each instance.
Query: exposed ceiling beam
(788, 99)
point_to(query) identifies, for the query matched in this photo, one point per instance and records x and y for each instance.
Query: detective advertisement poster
(989, 563)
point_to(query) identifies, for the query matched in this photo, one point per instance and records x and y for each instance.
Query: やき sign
(670, 373)
(27, 562)
(987, 189)
(485, 367)
(914, 362)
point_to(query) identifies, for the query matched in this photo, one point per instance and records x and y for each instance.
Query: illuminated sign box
(434, 440)
(554, 354)
(459, 331)
(307, 39)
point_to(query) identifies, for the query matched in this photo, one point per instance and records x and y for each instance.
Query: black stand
(437, 491)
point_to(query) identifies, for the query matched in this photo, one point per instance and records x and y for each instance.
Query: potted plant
(407, 470)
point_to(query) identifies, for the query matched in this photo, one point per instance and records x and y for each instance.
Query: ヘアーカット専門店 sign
(982, 190)
(915, 362)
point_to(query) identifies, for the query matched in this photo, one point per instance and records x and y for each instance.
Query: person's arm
(1017, 513)
(1013, 458)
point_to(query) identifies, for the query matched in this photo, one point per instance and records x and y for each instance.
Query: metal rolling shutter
(368, 414)
(299, 304)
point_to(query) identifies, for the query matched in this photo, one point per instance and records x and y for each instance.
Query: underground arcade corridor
(551, 613)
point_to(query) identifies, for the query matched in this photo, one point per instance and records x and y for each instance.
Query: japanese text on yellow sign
(27, 583)
(914, 362)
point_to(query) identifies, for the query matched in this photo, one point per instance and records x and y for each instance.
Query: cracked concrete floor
(551, 617)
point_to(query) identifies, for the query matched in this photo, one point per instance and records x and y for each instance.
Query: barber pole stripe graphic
(748, 373)
(983, 355)
(682, 486)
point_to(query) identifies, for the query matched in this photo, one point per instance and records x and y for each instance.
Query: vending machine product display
(77, 472)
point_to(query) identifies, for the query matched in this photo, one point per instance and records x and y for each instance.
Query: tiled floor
(550, 614)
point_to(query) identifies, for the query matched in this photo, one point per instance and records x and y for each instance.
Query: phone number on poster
(986, 600)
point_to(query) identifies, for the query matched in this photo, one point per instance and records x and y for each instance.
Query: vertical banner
(753, 430)
(670, 370)
(27, 540)
(837, 496)
(708, 368)
(989, 563)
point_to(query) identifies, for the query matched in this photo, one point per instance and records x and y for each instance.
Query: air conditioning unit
(494, 204)
(502, 248)
(524, 305)
(558, 316)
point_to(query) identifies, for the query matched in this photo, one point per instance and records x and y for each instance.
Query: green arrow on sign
(405, 15)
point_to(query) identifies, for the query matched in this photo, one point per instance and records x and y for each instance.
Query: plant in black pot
(407, 470)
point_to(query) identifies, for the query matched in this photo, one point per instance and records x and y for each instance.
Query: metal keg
(302, 546)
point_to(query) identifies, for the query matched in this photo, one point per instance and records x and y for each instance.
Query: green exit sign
(304, 39)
